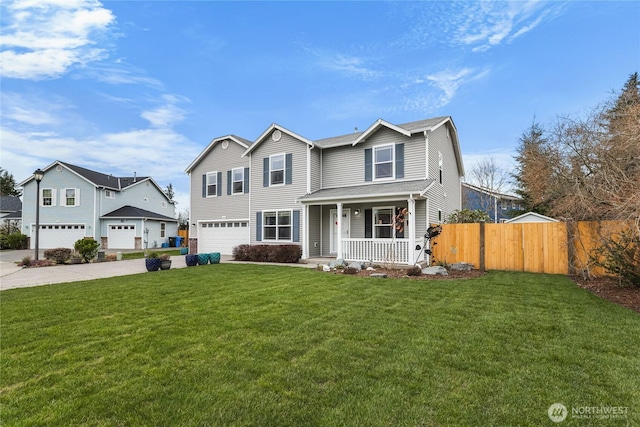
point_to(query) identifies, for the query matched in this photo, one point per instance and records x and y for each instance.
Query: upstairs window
(71, 197)
(212, 184)
(237, 181)
(440, 166)
(383, 162)
(47, 197)
(276, 168)
(108, 194)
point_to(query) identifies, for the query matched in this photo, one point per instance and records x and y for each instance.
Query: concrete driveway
(12, 276)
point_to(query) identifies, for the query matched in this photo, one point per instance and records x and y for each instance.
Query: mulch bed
(609, 289)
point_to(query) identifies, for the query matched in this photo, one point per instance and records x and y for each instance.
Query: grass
(237, 345)
(140, 255)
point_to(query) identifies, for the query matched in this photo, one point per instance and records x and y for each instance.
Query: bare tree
(492, 178)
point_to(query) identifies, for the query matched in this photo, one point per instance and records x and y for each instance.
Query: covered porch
(380, 223)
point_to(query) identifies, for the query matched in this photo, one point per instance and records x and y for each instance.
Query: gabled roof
(10, 204)
(271, 129)
(133, 212)
(244, 143)
(98, 179)
(531, 217)
(387, 189)
(496, 194)
(13, 215)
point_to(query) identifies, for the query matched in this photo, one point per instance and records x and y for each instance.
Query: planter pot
(152, 264)
(203, 259)
(165, 264)
(184, 251)
(214, 257)
(191, 260)
(75, 260)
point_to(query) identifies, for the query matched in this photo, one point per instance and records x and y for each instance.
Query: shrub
(622, 257)
(17, 241)
(59, 255)
(414, 271)
(350, 270)
(87, 248)
(26, 262)
(152, 254)
(165, 257)
(268, 253)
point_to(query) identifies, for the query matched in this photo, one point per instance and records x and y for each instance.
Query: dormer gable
(274, 132)
(227, 139)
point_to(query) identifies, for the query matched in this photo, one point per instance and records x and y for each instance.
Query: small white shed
(530, 217)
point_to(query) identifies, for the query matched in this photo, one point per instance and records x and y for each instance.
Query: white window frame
(272, 169)
(241, 181)
(213, 174)
(440, 168)
(392, 148)
(52, 197)
(379, 226)
(277, 226)
(109, 194)
(65, 198)
(163, 229)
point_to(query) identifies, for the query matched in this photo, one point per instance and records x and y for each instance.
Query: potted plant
(75, 258)
(165, 262)
(191, 260)
(152, 262)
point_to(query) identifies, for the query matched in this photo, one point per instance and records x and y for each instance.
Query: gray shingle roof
(104, 180)
(133, 212)
(400, 189)
(10, 204)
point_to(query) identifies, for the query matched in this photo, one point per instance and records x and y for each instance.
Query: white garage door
(121, 236)
(57, 235)
(222, 237)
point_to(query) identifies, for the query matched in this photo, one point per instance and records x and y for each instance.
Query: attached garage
(222, 236)
(121, 236)
(57, 235)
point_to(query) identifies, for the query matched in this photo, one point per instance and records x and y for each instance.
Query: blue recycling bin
(178, 241)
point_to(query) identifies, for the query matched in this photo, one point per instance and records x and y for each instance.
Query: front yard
(277, 346)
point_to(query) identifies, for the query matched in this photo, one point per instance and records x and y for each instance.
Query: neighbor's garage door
(57, 236)
(121, 236)
(222, 236)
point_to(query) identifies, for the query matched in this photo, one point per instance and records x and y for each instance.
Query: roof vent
(276, 135)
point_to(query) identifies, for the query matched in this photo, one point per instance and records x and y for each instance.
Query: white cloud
(43, 39)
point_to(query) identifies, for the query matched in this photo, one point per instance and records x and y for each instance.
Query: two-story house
(75, 202)
(364, 196)
(498, 206)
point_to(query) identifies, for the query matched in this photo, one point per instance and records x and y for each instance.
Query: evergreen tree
(8, 186)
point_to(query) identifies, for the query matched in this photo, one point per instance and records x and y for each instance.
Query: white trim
(277, 226)
(377, 125)
(284, 169)
(233, 181)
(206, 190)
(374, 174)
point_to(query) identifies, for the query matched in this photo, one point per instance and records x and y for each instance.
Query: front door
(346, 225)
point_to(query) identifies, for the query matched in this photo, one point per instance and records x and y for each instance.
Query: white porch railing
(377, 250)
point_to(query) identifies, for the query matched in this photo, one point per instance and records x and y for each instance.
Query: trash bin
(172, 242)
(178, 241)
(101, 256)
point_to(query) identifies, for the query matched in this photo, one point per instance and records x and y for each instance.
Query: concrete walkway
(12, 276)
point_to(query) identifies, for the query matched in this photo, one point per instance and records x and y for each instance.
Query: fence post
(482, 251)
(571, 246)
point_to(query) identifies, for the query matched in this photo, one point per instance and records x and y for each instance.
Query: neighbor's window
(108, 194)
(70, 197)
(440, 166)
(47, 197)
(383, 223)
(277, 225)
(163, 228)
(212, 184)
(238, 181)
(276, 169)
(383, 162)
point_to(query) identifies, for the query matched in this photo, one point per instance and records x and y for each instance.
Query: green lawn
(238, 345)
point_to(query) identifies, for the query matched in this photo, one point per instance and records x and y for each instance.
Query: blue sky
(144, 86)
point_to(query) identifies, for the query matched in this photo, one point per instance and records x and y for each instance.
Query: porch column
(411, 203)
(339, 231)
(305, 232)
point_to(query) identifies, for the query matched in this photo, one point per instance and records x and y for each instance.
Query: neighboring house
(118, 212)
(530, 217)
(367, 196)
(10, 213)
(498, 206)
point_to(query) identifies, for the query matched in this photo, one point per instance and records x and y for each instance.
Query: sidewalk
(12, 276)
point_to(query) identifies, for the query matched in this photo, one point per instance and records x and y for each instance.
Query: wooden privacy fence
(549, 247)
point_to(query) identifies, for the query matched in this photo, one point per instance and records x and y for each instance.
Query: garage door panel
(121, 236)
(222, 236)
(57, 235)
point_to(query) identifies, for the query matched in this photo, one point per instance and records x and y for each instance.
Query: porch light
(356, 212)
